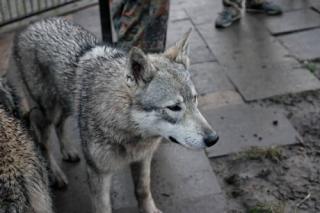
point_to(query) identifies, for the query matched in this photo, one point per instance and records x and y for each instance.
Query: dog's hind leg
(42, 130)
(59, 179)
(141, 178)
(99, 186)
(68, 149)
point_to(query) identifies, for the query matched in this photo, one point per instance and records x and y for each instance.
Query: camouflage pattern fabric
(141, 23)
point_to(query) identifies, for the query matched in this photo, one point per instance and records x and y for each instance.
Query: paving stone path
(242, 126)
(303, 45)
(256, 58)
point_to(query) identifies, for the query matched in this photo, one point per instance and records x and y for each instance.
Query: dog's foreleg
(99, 185)
(141, 178)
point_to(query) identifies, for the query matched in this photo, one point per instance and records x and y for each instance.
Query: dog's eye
(174, 107)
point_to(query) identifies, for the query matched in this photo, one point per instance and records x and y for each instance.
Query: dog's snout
(211, 139)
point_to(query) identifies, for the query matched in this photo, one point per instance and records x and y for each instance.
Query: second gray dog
(127, 102)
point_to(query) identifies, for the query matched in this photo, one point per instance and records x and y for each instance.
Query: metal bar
(24, 7)
(31, 5)
(2, 12)
(45, 4)
(39, 5)
(17, 8)
(105, 18)
(9, 9)
(23, 16)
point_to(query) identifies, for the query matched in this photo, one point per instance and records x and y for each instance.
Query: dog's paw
(149, 207)
(155, 210)
(70, 154)
(58, 179)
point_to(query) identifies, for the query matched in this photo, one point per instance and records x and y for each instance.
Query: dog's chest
(138, 150)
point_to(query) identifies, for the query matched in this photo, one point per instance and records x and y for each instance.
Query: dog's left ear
(179, 52)
(138, 66)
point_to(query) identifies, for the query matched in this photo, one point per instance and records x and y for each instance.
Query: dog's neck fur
(110, 81)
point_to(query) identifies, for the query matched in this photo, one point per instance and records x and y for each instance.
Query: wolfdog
(23, 175)
(126, 102)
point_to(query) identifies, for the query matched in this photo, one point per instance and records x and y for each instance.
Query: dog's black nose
(211, 139)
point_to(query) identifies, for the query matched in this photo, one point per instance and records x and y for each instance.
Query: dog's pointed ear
(180, 50)
(138, 66)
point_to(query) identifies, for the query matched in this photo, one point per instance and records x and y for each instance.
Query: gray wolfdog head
(166, 99)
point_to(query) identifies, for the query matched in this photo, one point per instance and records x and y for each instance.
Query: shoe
(228, 16)
(266, 7)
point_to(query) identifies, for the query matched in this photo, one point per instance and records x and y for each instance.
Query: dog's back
(47, 53)
(23, 177)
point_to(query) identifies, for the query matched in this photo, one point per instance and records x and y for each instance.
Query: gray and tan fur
(127, 101)
(23, 176)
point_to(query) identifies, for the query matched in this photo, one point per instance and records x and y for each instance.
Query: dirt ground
(278, 179)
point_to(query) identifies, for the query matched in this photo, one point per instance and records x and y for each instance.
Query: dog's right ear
(180, 50)
(138, 67)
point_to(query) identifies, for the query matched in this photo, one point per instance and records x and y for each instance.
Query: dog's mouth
(172, 139)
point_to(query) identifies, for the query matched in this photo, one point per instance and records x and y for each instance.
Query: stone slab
(303, 45)
(293, 21)
(177, 13)
(89, 18)
(192, 3)
(219, 99)
(259, 66)
(199, 52)
(213, 203)
(290, 5)
(316, 6)
(242, 126)
(122, 193)
(204, 13)
(182, 181)
(267, 80)
(209, 77)
(227, 42)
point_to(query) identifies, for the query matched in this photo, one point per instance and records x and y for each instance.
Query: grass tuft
(258, 153)
(312, 67)
(268, 208)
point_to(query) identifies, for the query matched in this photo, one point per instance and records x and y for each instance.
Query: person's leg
(231, 12)
(154, 37)
(263, 6)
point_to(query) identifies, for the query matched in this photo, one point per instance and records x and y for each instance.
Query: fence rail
(16, 10)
